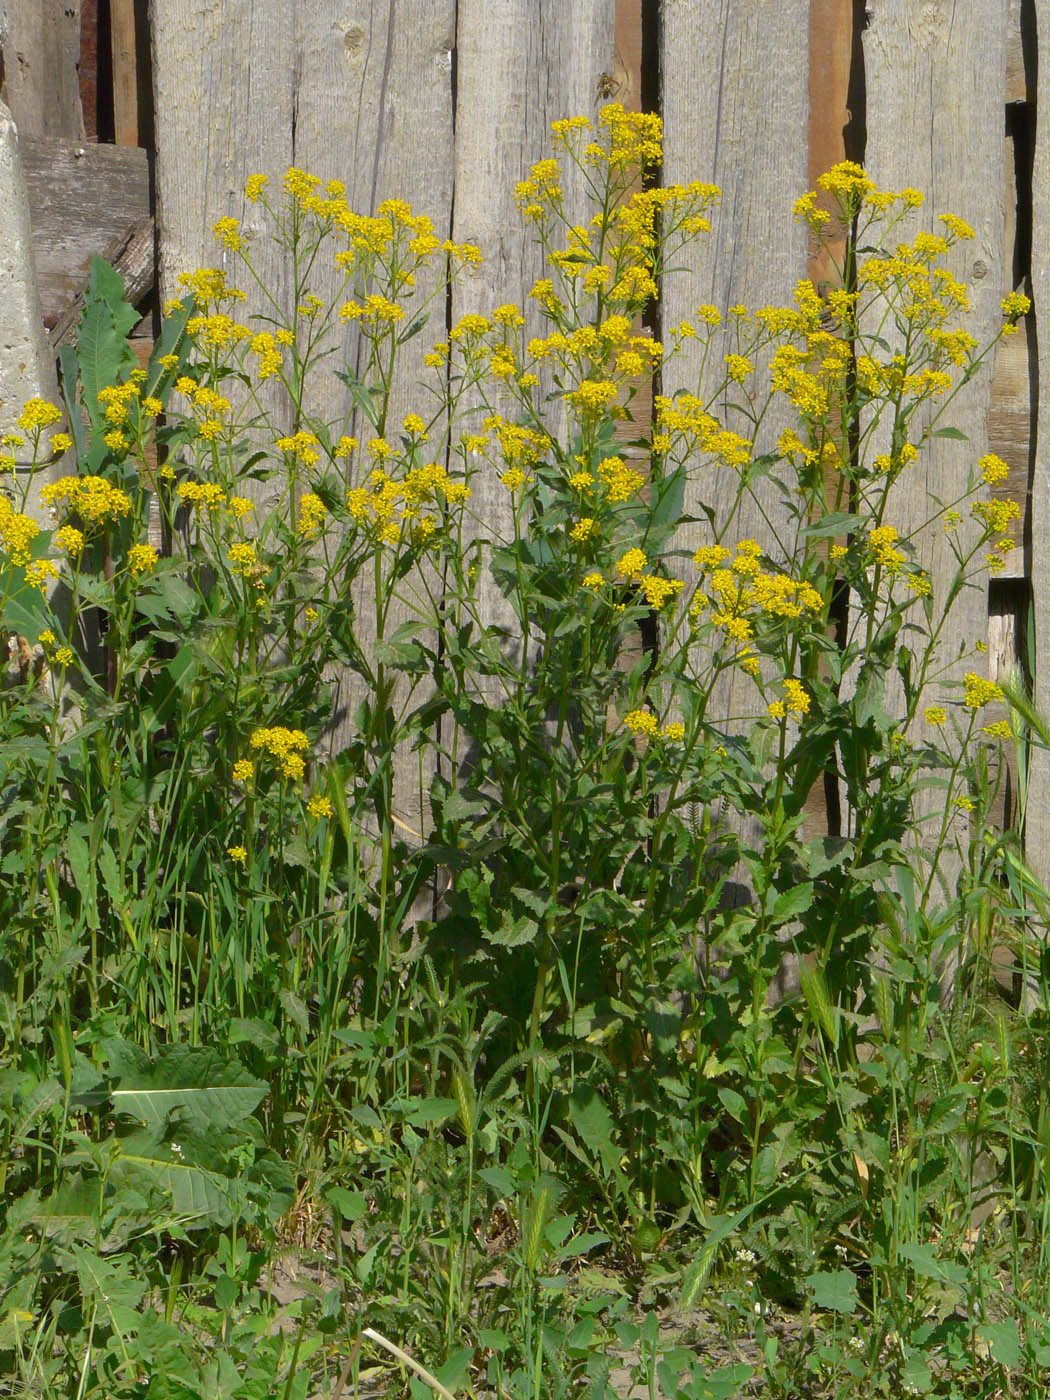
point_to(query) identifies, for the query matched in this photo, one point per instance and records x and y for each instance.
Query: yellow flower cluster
(319, 807)
(38, 414)
(311, 514)
(142, 559)
(591, 397)
(17, 532)
(244, 562)
(208, 287)
(978, 691)
(70, 539)
(205, 494)
(90, 498)
(882, 540)
(287, 746)
(686, 417)
(303, 445)
(386, 505)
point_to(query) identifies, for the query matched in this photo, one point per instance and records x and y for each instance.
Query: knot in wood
(353, 42)
(979, 270)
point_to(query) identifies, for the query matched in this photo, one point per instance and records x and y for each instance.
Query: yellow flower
(61, 442)
(237, 854)
(776, 709)
(226, 231)
(115, 440)
(70, 539)
(243, 560)
(631, 564)
(583, 530)
(311, 514)
(63, 657)
(46, 638)
(993, 469)
(142, 558)
(254, 186)
(964, 804)
(798, 701)
(642, 722)
(593, 580)
(675, 732)
(935, 715)
(38, 414)
(978, 691)
(243, 770)
(319, 807)
(999, 730)
(513, 478)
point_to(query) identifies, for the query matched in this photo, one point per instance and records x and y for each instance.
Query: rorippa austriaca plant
(191, 855)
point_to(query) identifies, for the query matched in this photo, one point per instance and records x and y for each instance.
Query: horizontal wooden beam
(81, 197)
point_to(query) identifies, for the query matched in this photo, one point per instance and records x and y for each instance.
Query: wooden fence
(130, 114)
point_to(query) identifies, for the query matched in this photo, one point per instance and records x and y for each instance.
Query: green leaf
(835, 1292)
(199, 1195)
(792, 902)
(594, 1123)
(956, 434)
(208, 1092)
(1004, 1345)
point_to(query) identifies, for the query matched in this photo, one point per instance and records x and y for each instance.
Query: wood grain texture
(223, 85)
(41, 47)
(81, 197)
(1037, 821)
(935, 76)
(736, 112)
(522, 64)
(123, 43)
(1010, 434)
(374, 109)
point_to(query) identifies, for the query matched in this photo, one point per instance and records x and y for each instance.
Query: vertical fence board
(373, 109)
(736, 109)
(41, 49)
(1037, 824)
(223, 97)
(521, 65)
(935, 78)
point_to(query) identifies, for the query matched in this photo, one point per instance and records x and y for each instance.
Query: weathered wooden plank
(88, 67)
(27, 366)
(1020, 46)
(81, 197)
(125, 17)
(1037, 817)
(1010, 423)
(40, 49)
(935, 79)
(522, 64)
(718, 57)
(223, 85)
(374, 109)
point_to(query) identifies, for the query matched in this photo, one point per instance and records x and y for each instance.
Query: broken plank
(81, 197)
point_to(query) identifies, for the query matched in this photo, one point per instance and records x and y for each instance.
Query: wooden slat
(374, 109)
(81, 197)
(521, 65)
(935, 84)
(1037, 825)
(41, 49)
(1019, 39)
(1010, 419)
(123, 24)
(223, 85)
(716, 60)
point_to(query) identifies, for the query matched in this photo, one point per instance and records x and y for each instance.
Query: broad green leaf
(1004, 1345)
(836, 1291)
(208, 1092)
